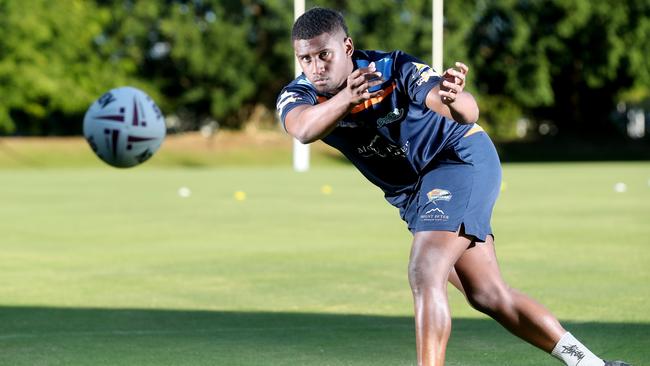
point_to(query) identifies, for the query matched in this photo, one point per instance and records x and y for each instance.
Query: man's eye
(324, 55)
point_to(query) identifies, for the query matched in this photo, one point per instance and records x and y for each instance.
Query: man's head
(323, 48)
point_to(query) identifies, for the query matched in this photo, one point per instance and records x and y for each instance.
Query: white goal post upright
(436, 34)
(300, 150)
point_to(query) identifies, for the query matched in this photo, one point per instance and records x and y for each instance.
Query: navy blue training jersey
(392, 138)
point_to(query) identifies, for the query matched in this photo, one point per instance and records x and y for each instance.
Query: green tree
(387, 24)
(406, 25)
(568, 61)
(209, 59)
(49, 72)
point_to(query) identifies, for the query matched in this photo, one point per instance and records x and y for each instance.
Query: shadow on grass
(76, 336)
(567, 150)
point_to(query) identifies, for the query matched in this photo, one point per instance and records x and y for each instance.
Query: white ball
(124, 127)
(184, 192)
(620, 187)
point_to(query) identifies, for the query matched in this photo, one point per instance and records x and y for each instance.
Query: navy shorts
(459, 188)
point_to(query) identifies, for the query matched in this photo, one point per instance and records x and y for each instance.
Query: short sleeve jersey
(392, 138)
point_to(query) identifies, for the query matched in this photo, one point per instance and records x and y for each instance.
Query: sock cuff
(573, 353)
(557, 350)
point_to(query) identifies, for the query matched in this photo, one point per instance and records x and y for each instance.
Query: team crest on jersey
(438, 194)
(424, 71)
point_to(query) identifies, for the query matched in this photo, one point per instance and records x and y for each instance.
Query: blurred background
(555, 79)
(215, 252)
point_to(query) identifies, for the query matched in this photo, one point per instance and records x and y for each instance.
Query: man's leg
(433, 255)
(485, 289)
(480, 280)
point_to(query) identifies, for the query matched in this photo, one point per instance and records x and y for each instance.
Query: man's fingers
(463, 68)
(363, 88)
(452, 87)
(448, 93)
(375, 82)
(358, 80)
(459, 75)
(372, 75)
(370, 69)
(454, 75)
(376, 94)
(362, 80)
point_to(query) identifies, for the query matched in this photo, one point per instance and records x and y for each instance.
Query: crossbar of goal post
(300, 150)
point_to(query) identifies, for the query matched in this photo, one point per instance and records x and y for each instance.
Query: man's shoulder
(300, 83)
(299, 89)
(387, 62)
(379, 55)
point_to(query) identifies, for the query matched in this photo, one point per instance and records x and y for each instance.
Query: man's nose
(318, 66)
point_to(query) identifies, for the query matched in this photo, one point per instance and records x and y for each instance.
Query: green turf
(111, 267)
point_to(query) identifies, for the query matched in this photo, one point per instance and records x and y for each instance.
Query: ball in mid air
(124, 127)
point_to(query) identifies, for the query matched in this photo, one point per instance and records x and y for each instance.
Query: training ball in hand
(124, 127)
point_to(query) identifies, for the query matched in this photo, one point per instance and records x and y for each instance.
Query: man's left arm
(450, 99)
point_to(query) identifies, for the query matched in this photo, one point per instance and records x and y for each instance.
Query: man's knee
(419, 279)
(426, 275)
(491, 299)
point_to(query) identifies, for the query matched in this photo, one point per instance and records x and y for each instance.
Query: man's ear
(349, 46)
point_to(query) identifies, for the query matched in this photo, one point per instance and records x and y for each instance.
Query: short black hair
(317, 21)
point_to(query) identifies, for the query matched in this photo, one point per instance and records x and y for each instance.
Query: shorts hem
(479, 235)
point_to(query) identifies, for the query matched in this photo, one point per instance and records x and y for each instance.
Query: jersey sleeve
(292, 96)
(415, 77)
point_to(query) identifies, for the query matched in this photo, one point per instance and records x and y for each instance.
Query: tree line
(568, 62)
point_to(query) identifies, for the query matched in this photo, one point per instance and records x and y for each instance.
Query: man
(412, 132)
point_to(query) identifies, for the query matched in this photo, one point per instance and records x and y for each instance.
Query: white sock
(573, 353)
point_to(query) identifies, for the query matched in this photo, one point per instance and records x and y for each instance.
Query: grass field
(112, 267)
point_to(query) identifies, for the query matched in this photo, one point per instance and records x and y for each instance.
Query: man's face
(326, 60)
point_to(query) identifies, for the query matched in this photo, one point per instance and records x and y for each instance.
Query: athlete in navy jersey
(412, 132)
(390, 138)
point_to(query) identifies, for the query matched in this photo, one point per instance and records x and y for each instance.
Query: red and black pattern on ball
(113, 135)
(131, 139)
(136, 115)
(113, 117)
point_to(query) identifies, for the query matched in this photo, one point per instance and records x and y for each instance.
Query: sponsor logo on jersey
(392, 116)
(438, 194)
(434, 214)
(435, 210)
(350, 123)
(378, 147)
(424, 72)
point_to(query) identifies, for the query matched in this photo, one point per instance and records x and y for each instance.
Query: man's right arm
(308, 123)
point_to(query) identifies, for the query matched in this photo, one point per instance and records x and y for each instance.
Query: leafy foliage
(569, 61)
(566, 61)
(48, 72)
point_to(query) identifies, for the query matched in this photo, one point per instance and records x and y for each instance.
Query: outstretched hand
(453, 83)
(360, 81)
